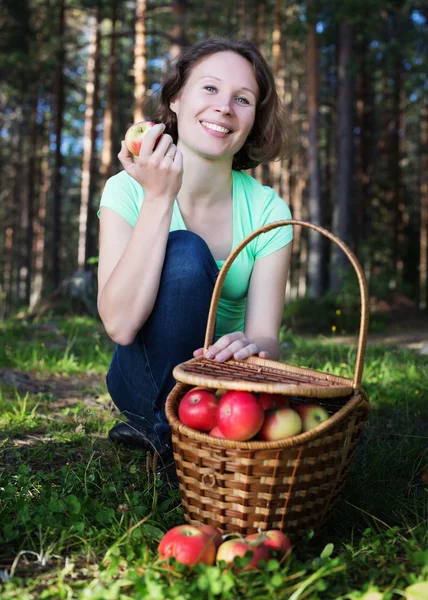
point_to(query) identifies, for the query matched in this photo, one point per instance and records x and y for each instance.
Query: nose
(225, 105)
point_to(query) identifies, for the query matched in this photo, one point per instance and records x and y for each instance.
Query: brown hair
(267, 139)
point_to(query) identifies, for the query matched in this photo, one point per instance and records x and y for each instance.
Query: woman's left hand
(235, 345)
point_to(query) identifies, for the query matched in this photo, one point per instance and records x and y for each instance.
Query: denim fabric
(140, 375)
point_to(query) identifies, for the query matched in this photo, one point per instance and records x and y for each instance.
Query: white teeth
(215, 127)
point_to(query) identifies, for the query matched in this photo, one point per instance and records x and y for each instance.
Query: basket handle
(362, 338)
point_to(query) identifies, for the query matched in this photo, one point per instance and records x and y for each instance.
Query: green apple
(312, 415)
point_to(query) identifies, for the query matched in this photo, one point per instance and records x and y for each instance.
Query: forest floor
(64, 531)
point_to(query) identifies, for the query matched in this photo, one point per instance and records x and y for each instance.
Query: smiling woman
(171, 218)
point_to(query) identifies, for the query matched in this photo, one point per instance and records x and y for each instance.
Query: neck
(206, 182)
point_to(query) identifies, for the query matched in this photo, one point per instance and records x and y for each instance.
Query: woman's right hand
(160, 170)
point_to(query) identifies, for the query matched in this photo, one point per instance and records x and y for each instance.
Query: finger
(247, 351)
(224, 342)
(198, 352)
(163, 146)
(150, 139)
(124, 155)
(240, 348)
(264, 354)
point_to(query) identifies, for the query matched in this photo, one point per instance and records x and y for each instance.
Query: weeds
(80, 518)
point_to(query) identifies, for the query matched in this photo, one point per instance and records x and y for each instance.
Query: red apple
(269, 401)
(232, 548)
(239, 415)
(135, 135)
(311, 415)
(198, 409)
(214, 534)
(188, 545)
(274, 539)
(279, 424)
(215, 432)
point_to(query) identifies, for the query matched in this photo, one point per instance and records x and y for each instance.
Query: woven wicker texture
(291, 484)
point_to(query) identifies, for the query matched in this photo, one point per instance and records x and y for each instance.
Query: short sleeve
(274, 209)
(120, 194)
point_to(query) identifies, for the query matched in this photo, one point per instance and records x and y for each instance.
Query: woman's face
(216, 107)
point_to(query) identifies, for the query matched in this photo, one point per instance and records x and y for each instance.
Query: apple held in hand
(135, 135)
(311, 415)
(269, 401)
(239, 415)
(233, 548)
(280, 424)
(188, 545)
(198, 409)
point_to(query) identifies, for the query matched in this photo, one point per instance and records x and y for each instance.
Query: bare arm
(131, 259)
(265, 306)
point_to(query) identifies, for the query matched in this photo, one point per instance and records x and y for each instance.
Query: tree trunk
(343, 212)
(316, 254)
(31, 192)
(395, 172)
(89, 138)
(44, 176)
(140, 63)
(106, 168)
(179, 9)
(423, 245)
(57, 177)
(364, 111)
(278, 67)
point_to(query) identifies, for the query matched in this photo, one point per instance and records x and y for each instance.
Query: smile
(214, 127)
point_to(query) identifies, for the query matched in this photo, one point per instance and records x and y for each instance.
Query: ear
(174, 105)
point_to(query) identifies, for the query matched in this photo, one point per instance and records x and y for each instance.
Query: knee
(188, 256)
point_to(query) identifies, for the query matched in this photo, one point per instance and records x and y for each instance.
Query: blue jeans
(140, 375)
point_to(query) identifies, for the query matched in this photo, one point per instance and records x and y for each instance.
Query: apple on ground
(135, 135)
(280, 424)
(269, 401)
(188, 545)
(274, 539)
(215, 432)
(198, 409)
(214, 534)
(239, 547)
(312, 415)
(239, 415)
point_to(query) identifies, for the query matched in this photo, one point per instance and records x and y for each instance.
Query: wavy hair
(267, 140)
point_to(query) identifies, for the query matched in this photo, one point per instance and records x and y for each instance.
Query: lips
(210, 124)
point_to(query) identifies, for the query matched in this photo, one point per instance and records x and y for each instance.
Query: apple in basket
(230, 549)
(279, 424)
(198, 409)
(135, 135)
(274, 539)
(269, 401)
(239, 415)
(188, 545)
(312, 415)
(215, 432)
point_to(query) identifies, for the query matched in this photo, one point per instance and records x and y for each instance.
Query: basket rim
(359, 398)
(183, 376)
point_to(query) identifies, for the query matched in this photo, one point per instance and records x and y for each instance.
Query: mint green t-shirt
(254, 205)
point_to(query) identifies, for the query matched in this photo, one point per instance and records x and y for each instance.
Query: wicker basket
(291, 484)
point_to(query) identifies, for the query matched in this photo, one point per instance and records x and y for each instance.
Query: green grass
(81, 519)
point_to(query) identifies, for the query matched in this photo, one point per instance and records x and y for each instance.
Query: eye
(244, 99)
(209, 88)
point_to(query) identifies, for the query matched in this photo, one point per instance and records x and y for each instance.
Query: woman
(171, 218)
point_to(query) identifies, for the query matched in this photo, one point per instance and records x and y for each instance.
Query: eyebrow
(218, 79)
